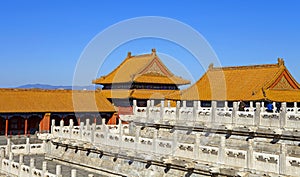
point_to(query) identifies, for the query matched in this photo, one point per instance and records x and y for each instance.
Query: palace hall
(141, 78)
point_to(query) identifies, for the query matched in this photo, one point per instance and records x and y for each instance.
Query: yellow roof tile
(36, 100)
(146, 68)
(237, 83)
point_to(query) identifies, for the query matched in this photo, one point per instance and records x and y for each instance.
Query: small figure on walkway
(270, 107)
(278, 106)
(242, 106)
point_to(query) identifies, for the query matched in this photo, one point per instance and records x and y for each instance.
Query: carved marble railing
(11, 167)
(280, 163)
(254, 115)
(28, 148)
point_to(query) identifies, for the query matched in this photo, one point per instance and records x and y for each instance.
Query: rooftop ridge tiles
(247, 67)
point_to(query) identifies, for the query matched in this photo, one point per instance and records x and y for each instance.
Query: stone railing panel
(19, 149)
(145, 144)
(185, 150)
(140, 111)
(235, 158)
(36, 149)
(269, 119)
(223, 117)
(14, 168)
(170, 114)
(266, 162)
(56, 131)
(245, 118)
(208, 154)
(87, 135)
(75, 133)
(293, 166)
(36, 172)
(65, 132)
(164, 147)
(203, 115)
(99, 138)
(154, 114)
(6, 165)
(128, 142)
(25, 170)
(113, 128)
(112, 139)
(186, 113)
(293, 120)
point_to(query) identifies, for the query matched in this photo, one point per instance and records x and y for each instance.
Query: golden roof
(138, 93)
(117, 93)
(146, 68)
(37, 100)
(241, 83)
(283, 95)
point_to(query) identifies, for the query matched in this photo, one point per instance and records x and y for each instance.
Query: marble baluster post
(249, 157)
(257, 114)
(283, 116)
(282, 159)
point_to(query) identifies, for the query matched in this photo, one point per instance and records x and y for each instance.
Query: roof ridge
(244, 67)
(128, 57)
(142, 55)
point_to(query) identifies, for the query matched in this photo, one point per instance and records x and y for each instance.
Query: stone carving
(209, 151)
(294, 117)
(270, 116)
(295, 163)
(224, 114)
(239, 155)
(266, 159)
(245, 115)
(186, 147)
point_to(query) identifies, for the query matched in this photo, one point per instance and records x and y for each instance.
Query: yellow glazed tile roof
(283, 95)
(146, 68)
(37, 100)
(239, 83)
(117, 93)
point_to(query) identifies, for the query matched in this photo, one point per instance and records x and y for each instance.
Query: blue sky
(41, 41)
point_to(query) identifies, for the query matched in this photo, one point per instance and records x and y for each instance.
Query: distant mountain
(52, 87)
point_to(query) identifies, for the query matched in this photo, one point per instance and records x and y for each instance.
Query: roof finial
(280, 61)
(128, 54)
(211, 66)
(154, 51)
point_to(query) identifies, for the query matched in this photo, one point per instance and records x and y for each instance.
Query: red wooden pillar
(1, 126)
(95, 119)
(26, 126)
(78, 120)
(6, 126)
(19, 124)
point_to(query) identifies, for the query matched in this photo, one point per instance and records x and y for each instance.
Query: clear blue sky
(41, 41)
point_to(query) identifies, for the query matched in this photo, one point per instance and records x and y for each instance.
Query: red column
(25, 129)
(1, 126)
(6, 126)
(19, 124)
(78, 120)
(95, 119)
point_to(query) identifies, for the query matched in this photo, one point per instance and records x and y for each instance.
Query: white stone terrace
(253, 117)
(279, 159)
